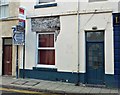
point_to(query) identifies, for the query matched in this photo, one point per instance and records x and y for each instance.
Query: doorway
(7, 56)
(95, 57)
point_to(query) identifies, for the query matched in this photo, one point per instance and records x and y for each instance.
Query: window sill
(45, 66)
(3, 18)
(6, 4)
(45, 5)
(44, 69)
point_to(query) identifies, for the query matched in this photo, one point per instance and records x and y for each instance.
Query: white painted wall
(100, 6)
(119, 6)
(20, 57)
(67, 44)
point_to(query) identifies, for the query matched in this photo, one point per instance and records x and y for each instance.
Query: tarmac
(53, 86)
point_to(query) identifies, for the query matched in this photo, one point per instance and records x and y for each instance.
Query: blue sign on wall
(18, 38)
(116, 19)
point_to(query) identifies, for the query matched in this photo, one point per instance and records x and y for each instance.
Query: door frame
(86, 52)
(3, 41)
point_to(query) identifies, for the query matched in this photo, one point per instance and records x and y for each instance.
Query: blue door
(95, 58)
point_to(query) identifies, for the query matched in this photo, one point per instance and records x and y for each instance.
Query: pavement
(53, 86)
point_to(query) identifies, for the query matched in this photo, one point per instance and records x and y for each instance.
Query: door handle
(7, 62)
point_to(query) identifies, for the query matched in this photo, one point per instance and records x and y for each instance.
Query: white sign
(22, 13)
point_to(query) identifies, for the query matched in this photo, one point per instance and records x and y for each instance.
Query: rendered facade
(8, 18)
(62, 46)
(72, 42)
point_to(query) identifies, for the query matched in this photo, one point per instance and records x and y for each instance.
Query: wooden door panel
(7, 60)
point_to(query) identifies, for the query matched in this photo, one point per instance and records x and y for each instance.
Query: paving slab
(69, 88)
(31, 83)
(54, 86)
(61, 87)
(77, 89)
(7, 80)
(119, 91)
(86, 90)
(19, 86)
(104, 90)
(95, 90)
(19, 82)
(43, 85)
(114, 91)
(46, 86)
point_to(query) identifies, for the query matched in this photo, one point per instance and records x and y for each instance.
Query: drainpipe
(17, 62)
(78, 69)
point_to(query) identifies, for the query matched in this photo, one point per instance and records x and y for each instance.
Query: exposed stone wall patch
(45, 24)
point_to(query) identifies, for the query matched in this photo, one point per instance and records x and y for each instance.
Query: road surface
(7, 91)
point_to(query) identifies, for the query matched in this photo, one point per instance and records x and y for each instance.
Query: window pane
(46, 40)
(95, 36)
(6, 11)
(2, 11)
(7, 41)
(46, 57)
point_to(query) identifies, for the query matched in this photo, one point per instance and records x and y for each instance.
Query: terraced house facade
(75, 41)
(8, 18)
